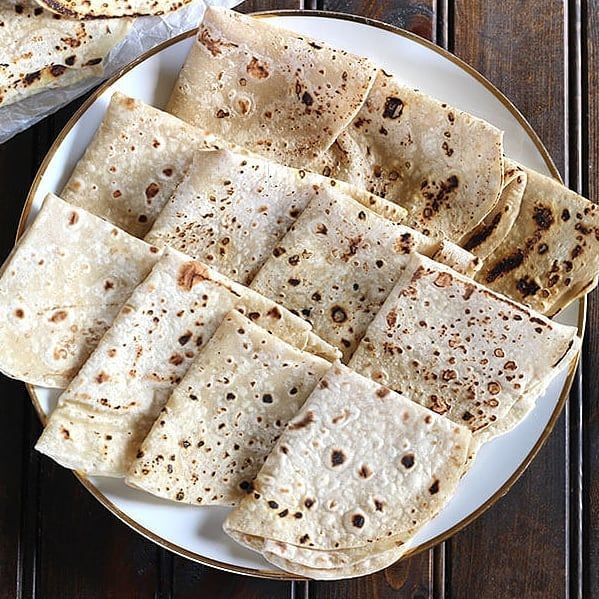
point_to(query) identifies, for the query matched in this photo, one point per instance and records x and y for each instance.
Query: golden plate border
(582, 305)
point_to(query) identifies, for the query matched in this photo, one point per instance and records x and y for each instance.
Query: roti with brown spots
(232, 209)
(459, 349)
(495, 227)
(40, 50)
(132, 165)
(551, 255)
(441, 164)
(110, 406)
(272, 91)
(336, 266)
(356, 473)
(223, 419)
(93, 9)
(60, 290)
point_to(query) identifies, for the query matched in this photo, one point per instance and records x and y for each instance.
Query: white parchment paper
(145, 33)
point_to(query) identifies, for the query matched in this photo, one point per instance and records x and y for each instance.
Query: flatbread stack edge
(98, 9)
(61, 288)
(231, 209)
(108, 408)
(349, 482)
(459, 348)
(550, 257)
(137, 157)
(224, 417)
(277, 93)
(41, 50)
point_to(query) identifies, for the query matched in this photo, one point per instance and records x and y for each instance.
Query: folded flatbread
(460, 349)
(61, 288)
(92, 9)
(441, 164)
(224, 418)
(110, 406)
(354, 475)
(41, 50)
(277, 93)
(336, 266)
(136, 159)
(458, 258)
(231, 210)
(551, 255)
(494, 228)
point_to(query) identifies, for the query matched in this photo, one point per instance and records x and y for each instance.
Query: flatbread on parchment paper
(40, 50)
(270, 90)
(550, 257)
(223, 419)
(108, 409)
(354, 475)
(495, 227)
(61, 288)
(443, 165)
(94, 9)
(231, 209)
(134, 162)
(336, 266)
(458, 348)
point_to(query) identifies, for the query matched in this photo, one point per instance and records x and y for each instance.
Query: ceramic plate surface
(196, 532)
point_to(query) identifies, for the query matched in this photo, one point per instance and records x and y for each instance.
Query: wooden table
(541, 540)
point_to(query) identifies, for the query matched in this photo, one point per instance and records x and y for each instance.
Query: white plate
(196, 532)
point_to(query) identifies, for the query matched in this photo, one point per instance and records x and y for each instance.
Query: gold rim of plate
(582, 303)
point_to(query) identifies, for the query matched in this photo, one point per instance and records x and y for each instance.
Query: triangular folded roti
(494, 228)
(354, 475)
(441, 164)
(551, 255)
(272, 91)
(109, 407)
(40, 50)
(459, 349)
(61, 288)
(336, 266)
(224, 418)
(232, 209)
(132, 165)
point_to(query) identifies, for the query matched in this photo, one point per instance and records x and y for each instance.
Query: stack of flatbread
(40, 49)
(349, 482)
(444, 166)
(109, 407)
(322, 342)
(61, 288)
(47, 44)
(459, 349)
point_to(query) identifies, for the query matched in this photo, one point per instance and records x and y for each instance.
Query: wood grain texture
(519, 547)
(416, 16)
(590, 184)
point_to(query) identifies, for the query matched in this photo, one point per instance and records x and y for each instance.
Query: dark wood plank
(258, 5)
(519, 547)
(590, 162)
(417, 16)
(422, 575)
(191, 580)
(17, 471)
